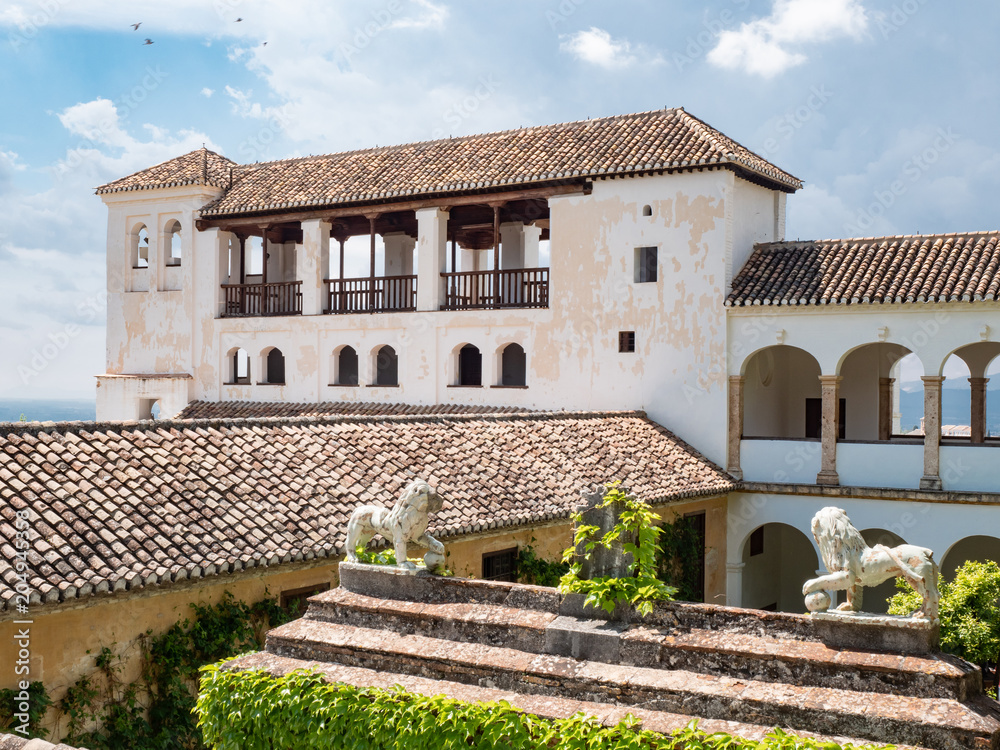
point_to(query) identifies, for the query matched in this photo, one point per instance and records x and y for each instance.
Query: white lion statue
(406, 522)
(853, 565)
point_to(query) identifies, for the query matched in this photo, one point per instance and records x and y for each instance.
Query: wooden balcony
(495, 290)
(255, 300)
(381, 294)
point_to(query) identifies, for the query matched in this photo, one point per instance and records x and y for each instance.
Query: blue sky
(887, 111)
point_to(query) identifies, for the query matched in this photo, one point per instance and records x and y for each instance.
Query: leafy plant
(678, 559)
(635, 521)
(531, 568)
(156, 712)
(969, 611)
(258, 711)
(38, 704)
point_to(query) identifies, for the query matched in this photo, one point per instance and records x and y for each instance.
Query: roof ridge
(204, 152)
(450, 139)
(8, 429)
(788, 243)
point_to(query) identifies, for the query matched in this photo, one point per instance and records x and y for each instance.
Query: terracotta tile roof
(127, 505)
(667, 139)
(263, 409)
(911, 268)
(201, 167)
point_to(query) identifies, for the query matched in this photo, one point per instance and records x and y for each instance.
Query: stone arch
(237, 366)
(139, 246)
(778, 382)
(977, 547)
(512, 365)
(468, 365)
(385, 365)
(777, 559)
(172, 243)
(870, 395)
(272, 366)
(344, 366)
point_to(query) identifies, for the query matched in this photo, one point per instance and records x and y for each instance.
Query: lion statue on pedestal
(853, 565)
(406, 522)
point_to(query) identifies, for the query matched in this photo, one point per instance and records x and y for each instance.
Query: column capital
(979, 381)
(432, 212)
(932, 381)
(886, 381)
(830, 379)
(735, 567)
(319, 223)
(736, 379)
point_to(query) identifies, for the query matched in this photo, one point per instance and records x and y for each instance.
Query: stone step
(940, 723)
(544, 706)
(721, 653)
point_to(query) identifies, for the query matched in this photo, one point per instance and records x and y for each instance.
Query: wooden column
(735, 425)
(454, 255)
(263, 243)
(371, 267)
(885, 408)
(978, 416)
(496, 253)
(243, 273)
(931, 480)
(830, 385)
(341, 240)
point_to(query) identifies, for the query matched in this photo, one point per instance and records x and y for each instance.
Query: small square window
(501, 565)
(645, 265)
(626, 341)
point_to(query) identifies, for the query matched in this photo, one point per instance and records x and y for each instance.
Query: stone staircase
(739, 671)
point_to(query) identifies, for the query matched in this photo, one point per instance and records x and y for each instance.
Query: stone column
(734, 584)
(314, 265)
(830, 385)
(885, 408)
(511, 247)
(978, 416)
(222, 242)
(735, 425)
(398, 254)
(432, 257)
(530, 236)
(931, 480)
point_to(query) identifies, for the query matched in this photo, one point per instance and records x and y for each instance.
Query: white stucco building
(632, 262)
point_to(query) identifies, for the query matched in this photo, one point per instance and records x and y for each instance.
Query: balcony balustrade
(253, 300)
(492, 290)
(381, 294)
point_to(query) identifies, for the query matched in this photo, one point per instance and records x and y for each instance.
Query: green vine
(155, 712)
(258, 711)
(678, 558)
(635, 521)
(530, 568)
(38, 703)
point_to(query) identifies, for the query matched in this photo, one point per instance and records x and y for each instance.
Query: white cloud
(207, 92)
(769, 46)
(428, 16)
(596, 46)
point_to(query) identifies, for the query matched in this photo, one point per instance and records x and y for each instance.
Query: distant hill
(956, 404)
(44, 410)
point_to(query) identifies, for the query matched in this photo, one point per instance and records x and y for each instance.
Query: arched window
(172, 233)
(140, 247)
(386, 367)
(470, 366)
(512, 365)
(647, 210)
(346, 366)
(274, 367)
(239, 367)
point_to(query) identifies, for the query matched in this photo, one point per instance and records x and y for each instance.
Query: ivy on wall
(258, 711)
(103, 712)
(678, 559)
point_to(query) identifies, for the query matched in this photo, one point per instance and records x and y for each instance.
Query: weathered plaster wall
(572, 347)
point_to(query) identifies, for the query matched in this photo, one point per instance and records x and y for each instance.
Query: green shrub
(637, 520)
(969, 612)
(531, 568)
(257, 711)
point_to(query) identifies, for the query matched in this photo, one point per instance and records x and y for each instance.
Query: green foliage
(156, 712)
(636, 521)
(969, 611)
(384, 556)
(530, 568)
(38, 704)
(678, 559)
(257, 711)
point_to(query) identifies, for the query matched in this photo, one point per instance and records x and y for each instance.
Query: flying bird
(238, 20)
(264, 44)
(148, 41)
(135, 26)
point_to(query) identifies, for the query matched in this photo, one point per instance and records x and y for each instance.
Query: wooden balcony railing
(244, 300)
(386, 294)
(489, 290)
